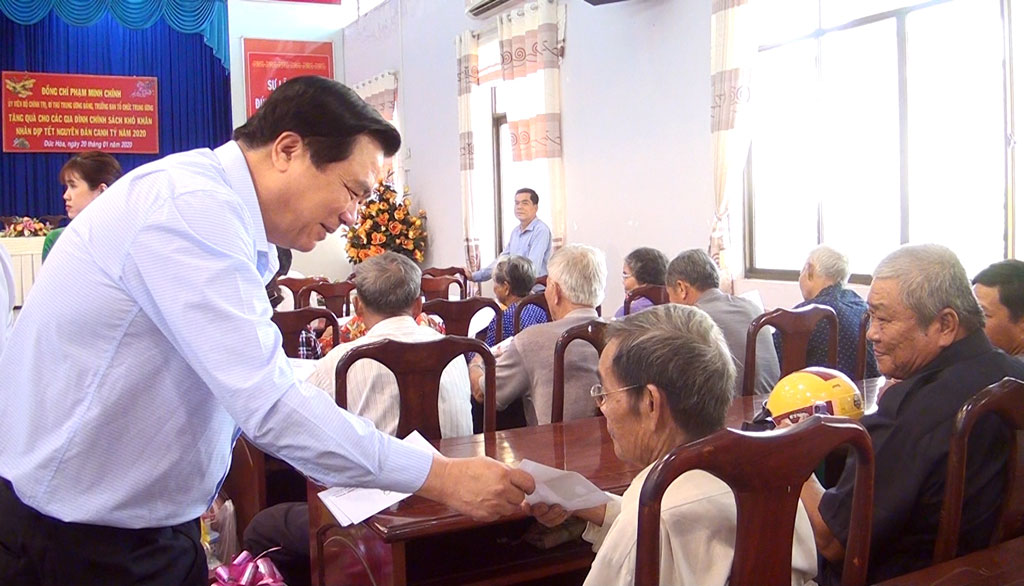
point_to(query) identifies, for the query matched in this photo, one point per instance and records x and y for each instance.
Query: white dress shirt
(146, 344)
(698, 533)
(373, 389)
(6, 297)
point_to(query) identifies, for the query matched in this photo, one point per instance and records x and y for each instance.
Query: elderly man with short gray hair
(927, 331)
(823, 282)
(576, 281)
(692, 279)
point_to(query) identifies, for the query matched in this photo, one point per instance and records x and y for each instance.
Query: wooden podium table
(420, 541)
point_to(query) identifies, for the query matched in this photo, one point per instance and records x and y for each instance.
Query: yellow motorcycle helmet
(814, 390)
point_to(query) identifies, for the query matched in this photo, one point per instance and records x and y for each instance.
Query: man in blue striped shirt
(119, 398)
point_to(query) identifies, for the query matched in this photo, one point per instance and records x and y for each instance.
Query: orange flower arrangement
(387, 223)
(26, 226)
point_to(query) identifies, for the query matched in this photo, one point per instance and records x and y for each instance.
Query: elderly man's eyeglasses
(598, 393)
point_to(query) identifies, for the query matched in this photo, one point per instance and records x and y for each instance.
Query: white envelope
(355, 505)
(562, 487)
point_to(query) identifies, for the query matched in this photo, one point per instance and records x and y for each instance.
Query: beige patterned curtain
(381, 92)
(532, 41)
(733, 51)
(469, 81)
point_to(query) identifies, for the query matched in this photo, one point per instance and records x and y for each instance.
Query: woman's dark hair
(327, 115)
(648, 265)
(94, 167)
(518, 272)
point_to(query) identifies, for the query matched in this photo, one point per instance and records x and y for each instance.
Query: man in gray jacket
(692, 279)
(576, 280)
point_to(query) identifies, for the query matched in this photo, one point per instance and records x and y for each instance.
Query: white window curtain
(733, 51)
(381, 92)
(519, 59)
(531, 42)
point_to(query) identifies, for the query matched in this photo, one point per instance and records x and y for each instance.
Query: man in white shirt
(387, 299)
(6, 296)
(667, 380)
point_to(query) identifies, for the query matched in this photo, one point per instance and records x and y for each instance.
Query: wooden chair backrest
(765, 471)
(1006, 400)
(291, 324)
(337, 296)
(537, 299)
(439, 287)
(246, 483)
(861, 367)
(796, 327)
(657, 294)
(418, 366)
(593, 331)
(295, 286)
(457, 315)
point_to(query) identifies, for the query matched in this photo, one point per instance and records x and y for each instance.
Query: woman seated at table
(85, 177)
(513, 278)
(643, 266)
(667, 380)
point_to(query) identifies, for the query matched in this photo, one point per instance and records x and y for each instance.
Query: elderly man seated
(693, 279)
(927, 331)
(823, 282)
(1000, 291)
(576, 279)
(387, 299)
(666, 380)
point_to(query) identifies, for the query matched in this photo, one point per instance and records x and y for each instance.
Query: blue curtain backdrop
(193, 93)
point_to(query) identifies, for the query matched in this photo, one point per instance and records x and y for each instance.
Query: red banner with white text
(269, 63)
(69, 113)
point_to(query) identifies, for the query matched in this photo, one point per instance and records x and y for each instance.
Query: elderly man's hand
(481, 488)
(554, 515)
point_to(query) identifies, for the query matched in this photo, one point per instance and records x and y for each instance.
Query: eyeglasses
(626, 276)
(598, 393)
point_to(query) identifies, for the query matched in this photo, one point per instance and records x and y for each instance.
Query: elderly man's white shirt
(698, 533)
(373, 389)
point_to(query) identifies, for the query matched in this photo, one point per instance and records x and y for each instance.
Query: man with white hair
(823, 282)
(928, 332)
(576, 279)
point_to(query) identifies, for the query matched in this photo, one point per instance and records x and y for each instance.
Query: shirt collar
(398, 322)
(240, 180)
(973, 345)
(831, 291)
(529, 226)
(710, 294)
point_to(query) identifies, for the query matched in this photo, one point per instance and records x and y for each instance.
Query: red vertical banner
(269, 63)
(67, 113)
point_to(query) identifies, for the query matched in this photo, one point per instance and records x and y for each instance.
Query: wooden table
(996, 566)
(420, 541)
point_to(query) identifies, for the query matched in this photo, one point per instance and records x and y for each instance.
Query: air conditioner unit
(485, 8)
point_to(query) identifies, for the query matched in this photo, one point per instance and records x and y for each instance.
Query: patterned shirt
(531, 316)
(309, 345)
(849, 309)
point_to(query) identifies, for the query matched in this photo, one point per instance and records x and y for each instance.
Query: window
(877, 123)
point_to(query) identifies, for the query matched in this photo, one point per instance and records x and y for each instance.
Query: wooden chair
(656, 294)
(246, 483)
(291, 324)
(537, 299)
(418, 366)
(593, 332)
(457, 315)
(541, 280)
(861, 367)
(296, 285)
(439, 287)
(1005, 399)
(449, 272)
(796, 327)
(766, 471)
(337, 296)
(55, 220)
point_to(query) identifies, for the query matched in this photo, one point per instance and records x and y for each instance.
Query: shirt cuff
(595, 534)
(406, 469)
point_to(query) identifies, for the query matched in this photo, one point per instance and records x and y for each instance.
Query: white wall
(636, 125)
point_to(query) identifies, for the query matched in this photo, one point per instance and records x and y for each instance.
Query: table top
(583, 446)
(999, 565)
